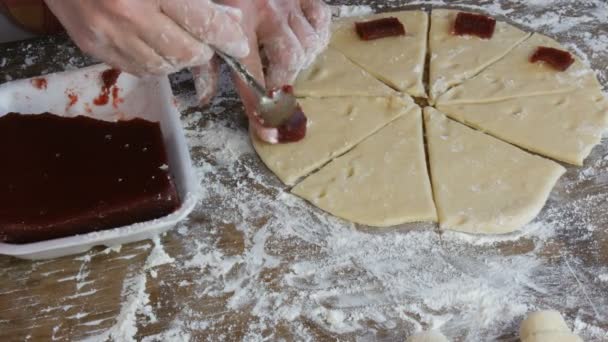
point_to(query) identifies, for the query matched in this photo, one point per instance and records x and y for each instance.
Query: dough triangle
(383, 181)
(482, 184)
(560, 126)
(397, 61)
(335, 125)
(515, 76)
(454, 59)
(332, 74)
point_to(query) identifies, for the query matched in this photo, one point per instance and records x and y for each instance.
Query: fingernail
(239, 49)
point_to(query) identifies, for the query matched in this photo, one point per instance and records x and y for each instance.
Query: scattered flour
(157, 256)
(135, 300)
(359, 282)
(303, 274)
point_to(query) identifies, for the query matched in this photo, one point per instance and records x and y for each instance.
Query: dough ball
(553, 337)
(428, 336)
(546, 326)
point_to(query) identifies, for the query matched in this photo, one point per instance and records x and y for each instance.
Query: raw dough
(397, 61)
(561, 126)
(546, 326)
(482, 184)
(427, 336)
(455, 59)
(381, 182)
(332, 74)
(514, 76)
(553, 337)
(335, 125)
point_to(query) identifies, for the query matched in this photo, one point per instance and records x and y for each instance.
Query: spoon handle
(245, 75)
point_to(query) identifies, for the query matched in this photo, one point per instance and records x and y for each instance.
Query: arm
(152, 37)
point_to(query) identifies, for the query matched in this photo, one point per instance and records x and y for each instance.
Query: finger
(105, 49)
(267, 134)
(206, 79)
(174, 44)
(318, 14)
(211, 23)
(115, 59)
(253, 63)
(143, 56)
(285, 57)
(304, 31)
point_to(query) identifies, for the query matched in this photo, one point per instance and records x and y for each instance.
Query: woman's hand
(291, 34)
(152, 37)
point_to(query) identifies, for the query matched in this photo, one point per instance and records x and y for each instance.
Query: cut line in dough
(454, 59)
(397, 61)
(381, 182)
(482, 184)
(514, 76)
(335, 125)
(564, 127)
(332, 74)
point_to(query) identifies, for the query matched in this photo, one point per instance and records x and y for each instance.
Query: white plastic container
(150, 99)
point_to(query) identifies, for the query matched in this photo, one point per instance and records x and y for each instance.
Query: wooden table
(116, 292)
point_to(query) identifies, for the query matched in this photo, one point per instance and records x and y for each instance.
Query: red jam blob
(294, 129)
(558, 59)
(63, 176)
(109, 78)
(472, 24)
(287, 89)
(39, 83)
(380, 28)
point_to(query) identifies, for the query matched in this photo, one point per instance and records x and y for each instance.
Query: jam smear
(72, 98)
(39, 83)
(52, 187)
(380, 28)
(102, 99)
(558, 59)
(116, 99)
(472, 24)
(108, 78)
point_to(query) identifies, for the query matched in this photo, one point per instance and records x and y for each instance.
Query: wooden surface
(74, 297)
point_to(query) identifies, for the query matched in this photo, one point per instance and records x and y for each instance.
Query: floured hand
(291, 33)
(152, 37)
